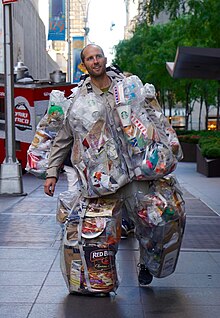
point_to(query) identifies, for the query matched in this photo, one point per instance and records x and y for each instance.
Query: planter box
(189, 152)
(208, 167)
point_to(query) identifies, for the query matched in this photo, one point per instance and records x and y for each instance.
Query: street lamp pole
(86, 28)
(68, 42)
(85, 13)
(10, 174)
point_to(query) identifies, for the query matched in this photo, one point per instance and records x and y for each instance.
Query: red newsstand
(30, 105)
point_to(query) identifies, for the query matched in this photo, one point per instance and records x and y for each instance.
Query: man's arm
(49, 186)
(61, 146)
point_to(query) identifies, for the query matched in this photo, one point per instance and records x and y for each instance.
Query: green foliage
(208, 141)
(192, 23)
(210, 147)
(147, 52)
(152, 8)
(183, 132)
(189, 136)
(198, 137)
(191, 139)
(204, 15)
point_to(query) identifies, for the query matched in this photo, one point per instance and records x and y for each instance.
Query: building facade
(29, 39)
(132, 10)
(77, 15)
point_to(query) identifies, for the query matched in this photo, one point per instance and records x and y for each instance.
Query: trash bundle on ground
(47, 128)
(91, 235)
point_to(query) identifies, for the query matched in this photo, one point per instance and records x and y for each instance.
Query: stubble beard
(96, 75)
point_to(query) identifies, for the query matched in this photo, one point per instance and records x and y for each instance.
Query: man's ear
(82, 67)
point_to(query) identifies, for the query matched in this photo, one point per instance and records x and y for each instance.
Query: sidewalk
(31, 284)
(203, 188)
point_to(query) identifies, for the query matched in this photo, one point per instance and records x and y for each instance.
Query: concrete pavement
(203, 188)
(31, 284)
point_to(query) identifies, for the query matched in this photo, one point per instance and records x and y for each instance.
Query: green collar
(105, 90)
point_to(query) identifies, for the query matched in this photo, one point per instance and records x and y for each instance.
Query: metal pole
(10, 175)
(85, 14)
(9, 84)
(68, 42)
(86, 22)
(127, 11)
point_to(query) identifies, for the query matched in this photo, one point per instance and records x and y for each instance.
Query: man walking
(73, 136)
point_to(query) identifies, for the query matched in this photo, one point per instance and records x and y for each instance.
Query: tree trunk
(161, 100)
(170, 104)
(207, 113)
(200, 112)
(188, 86)
(218, 107)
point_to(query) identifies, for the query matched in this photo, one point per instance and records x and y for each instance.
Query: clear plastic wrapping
(160, 223)
(65, 204)
(96, 150)
(47, 128)
(89, 246)
(152, 143)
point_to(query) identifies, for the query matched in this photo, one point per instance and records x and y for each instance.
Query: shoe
(126, 228)
(90, 294)
(144, 276)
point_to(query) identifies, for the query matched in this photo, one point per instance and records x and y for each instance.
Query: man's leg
(142, 231)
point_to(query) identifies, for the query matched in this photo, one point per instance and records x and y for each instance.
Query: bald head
(89, 46)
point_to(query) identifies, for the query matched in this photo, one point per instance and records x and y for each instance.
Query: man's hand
(49, 186)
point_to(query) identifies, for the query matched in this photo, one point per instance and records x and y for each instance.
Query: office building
(29, 39)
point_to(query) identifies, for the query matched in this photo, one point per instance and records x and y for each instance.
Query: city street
(32, 286)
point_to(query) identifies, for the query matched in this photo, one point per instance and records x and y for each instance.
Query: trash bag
(152, 143)
(160, 224)
(89, 246)
(47, 129)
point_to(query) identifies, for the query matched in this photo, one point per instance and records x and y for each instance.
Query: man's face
(94, 61)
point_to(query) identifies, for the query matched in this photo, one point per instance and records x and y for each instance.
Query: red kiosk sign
(8, 1)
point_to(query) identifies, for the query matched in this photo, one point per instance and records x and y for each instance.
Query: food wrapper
(37, 163)
(89, 246)
(47, 129)
(129, 91)
(100, 275)
(158, 161)
(87, 111)
(160, 223)
(152, 143)
(149, 91)
(65, 204)
(101, 166)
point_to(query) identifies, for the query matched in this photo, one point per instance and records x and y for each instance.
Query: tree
(148, 58)
(150, 9)
(151, 46)
(204, 13)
